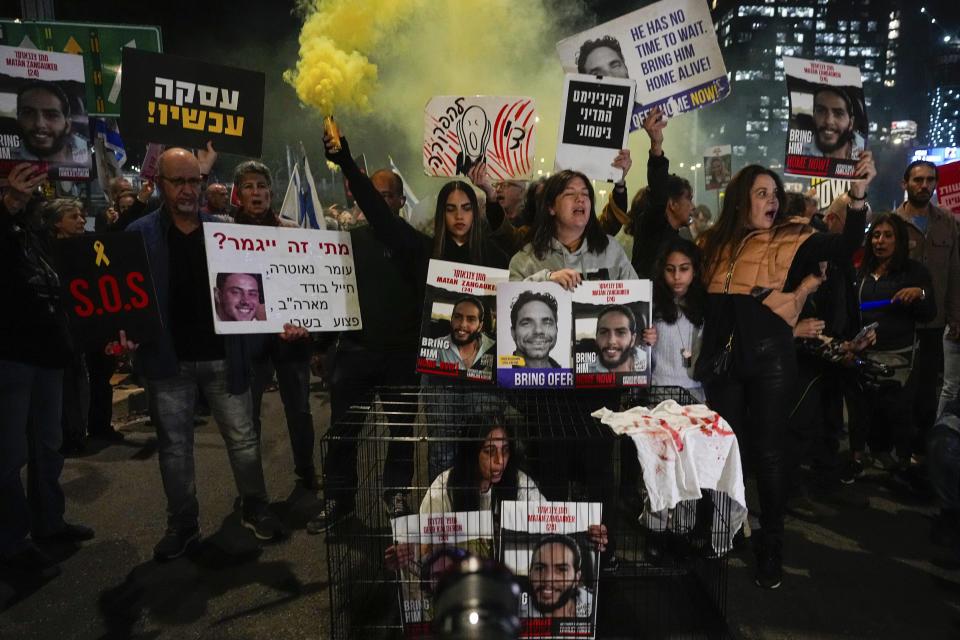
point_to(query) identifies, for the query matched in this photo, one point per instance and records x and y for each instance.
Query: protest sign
(107, 287)
(828, 190)
(717, 163)
(546, 545)
(264, 277)
(669, 48)
(533, 335)
(609, 317)
(461, 131)
(431, 544)
(182, 101)
(828, 123)
(457, 337)
(594, 125)
(100, 45)
(948, 187)
(43, 118)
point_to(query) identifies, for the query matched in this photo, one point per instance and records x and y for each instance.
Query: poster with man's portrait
(43, 118)
(533, 335)
(828, 123)
(669, 48)
(426, 547)
(547, 546)
(609, 317)
(458, 337)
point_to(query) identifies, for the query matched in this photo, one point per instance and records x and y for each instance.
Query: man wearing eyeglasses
(189, 355)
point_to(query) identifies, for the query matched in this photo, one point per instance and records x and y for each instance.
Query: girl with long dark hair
(679, 304)
(759, 268)
(459, 233)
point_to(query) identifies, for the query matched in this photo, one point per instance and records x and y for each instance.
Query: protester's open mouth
(771, 214)
(579, 211)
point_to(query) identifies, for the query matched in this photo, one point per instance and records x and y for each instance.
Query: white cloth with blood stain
(683, 449)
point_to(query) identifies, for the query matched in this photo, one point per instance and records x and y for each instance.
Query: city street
(861, 572)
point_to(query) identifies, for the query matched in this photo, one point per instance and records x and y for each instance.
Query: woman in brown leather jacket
(759, 268)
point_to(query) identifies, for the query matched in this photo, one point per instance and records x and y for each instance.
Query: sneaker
(69, 533)
(33, 561)
(175, 543)
(396, 504)
(262, 521)
(769, 565)
(852, 471)
(333, 513)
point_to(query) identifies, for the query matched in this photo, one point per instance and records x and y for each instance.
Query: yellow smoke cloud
(376, 63)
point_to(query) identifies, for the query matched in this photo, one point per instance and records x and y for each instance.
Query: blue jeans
(171, 409)
(30, 405)
(293, 381)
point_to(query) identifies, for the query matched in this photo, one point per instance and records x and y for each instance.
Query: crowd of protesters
(778, 316)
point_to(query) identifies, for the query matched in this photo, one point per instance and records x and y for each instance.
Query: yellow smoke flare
(333, 70)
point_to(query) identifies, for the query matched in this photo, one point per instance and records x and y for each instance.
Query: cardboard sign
(669, 48)
(595, 121)
(460, 131)
(609, 317)
(828, 123)
(108, 287)
(182, 101)
(948, 186)
(718, 166)
(436, 542)
(264, 277)
(537, 538)
(43, 117)
(457, 337)
(533, 335)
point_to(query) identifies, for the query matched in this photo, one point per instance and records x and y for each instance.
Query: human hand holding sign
(866, 171)
(24, 180)
(118, 347)
(624, 162)
(566, 278)
(207, 158)
(654, 124)
(478, 176)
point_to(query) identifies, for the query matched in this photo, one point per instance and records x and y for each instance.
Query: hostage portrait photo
(459, 335)
(238, 297)
(830, 120)
(533, 328)
(43, 117)
(609, 338)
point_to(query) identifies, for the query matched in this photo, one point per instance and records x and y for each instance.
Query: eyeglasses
(179, 183)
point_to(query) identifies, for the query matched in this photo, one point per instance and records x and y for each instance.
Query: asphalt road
(865, 569)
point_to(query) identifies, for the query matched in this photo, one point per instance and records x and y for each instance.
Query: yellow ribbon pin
(101, 256)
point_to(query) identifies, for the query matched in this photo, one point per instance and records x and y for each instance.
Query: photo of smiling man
(238, 297)
(468, 344)
(533, 335)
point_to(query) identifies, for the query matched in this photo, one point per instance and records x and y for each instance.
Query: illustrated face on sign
(554, 576)
(833, 124)
(237, 297)
(473, 130)
(535, 333)
(465, 322)
(44, 122)
(615, 341)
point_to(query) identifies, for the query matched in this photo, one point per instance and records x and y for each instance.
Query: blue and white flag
(300, 203)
